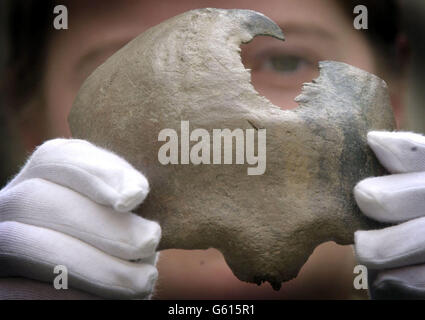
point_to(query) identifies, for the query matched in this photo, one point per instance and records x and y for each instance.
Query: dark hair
(24, 35)
(384, 29)
(26, 25)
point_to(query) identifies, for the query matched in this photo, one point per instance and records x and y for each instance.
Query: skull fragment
(189, 68)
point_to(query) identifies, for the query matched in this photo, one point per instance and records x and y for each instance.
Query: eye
(278, 72)
(285, 64)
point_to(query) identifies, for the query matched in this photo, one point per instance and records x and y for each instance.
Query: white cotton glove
(395, 255)
(70, 205)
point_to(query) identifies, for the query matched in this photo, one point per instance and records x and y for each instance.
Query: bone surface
(189, 68)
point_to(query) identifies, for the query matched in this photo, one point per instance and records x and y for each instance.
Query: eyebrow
(307, 29)
(288, 28)
(98, 50)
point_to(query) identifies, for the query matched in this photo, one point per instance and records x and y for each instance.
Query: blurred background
(41, 69)
(414, 27)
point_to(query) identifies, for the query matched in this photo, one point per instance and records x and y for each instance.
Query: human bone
(188, 68)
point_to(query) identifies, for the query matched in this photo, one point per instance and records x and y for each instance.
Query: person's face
(315, 30)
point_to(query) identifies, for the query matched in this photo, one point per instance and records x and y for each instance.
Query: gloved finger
(392, 247)
(401, 283)
(124, 235)
(15, 288)
(33, 252)
(399, 152)
(393, 198)
(99, 174)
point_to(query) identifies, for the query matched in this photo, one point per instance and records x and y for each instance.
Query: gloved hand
(395, 256)
(70, 205)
